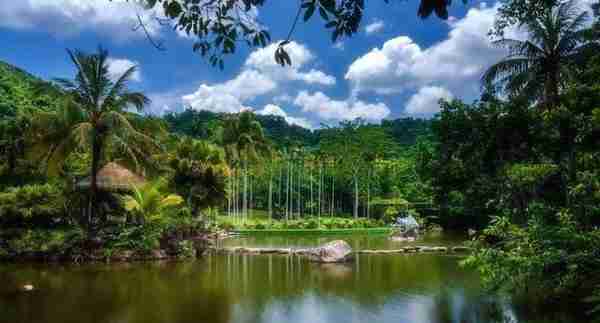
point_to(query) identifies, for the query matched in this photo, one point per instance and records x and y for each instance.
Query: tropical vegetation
(83, 169)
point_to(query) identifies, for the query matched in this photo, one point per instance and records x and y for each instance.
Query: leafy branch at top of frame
(218, 26)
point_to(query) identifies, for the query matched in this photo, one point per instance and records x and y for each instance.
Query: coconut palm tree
(94, 118)
(537, 68)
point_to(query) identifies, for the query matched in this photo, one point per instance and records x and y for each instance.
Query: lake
(265, 288)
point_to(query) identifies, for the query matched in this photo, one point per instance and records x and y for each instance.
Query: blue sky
(397, 65)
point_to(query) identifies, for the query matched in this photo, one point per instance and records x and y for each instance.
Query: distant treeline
(203, 124)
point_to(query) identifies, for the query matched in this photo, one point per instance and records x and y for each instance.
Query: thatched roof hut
(113, 177)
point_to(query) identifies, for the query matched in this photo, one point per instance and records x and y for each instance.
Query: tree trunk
(369, 194)
(229, 182)
(310, 203)
(287, 193)
(355, 196)
(332, 194)
(245, 201)
(271, 193)
(251, 198)
(319, 191)
(96, 151)
(280, 187)
(292, 190)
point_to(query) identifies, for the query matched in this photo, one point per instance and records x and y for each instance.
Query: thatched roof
(113, 177)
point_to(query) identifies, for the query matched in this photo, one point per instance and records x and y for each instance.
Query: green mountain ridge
(20, 91)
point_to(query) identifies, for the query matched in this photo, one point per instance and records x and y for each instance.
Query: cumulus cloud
(275, 110)
(260, 75)
(68, 17)
(426, 101)
(453, 65)
(118, 66)
(262, 60)
(374, 27)
(335, 110)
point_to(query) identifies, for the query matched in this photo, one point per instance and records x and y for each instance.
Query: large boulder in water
(406, 228)
(334, 251)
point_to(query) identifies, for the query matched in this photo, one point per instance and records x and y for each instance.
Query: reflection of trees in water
(265, 288)
(451, 306)
(369, 282)
(117, 293)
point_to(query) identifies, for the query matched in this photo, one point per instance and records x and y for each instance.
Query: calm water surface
(266, 288)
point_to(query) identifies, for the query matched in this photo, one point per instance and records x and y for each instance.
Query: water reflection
(265, 289)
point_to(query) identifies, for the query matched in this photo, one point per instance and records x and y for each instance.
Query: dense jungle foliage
(520, 166)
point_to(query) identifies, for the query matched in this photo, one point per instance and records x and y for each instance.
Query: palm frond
(504, 68)
(118, 97)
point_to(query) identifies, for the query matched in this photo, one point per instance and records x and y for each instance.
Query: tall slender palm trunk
(332, 195)
(93, 199)
(271, 192)
(320, 189)
(310, 178)
(356, 196)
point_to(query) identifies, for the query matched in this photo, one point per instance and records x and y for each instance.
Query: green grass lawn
(258, 222)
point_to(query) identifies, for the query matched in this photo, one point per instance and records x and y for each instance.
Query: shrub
(41, 204)
(46, 240)
(185, 249)
(142, 238)
(312, 224)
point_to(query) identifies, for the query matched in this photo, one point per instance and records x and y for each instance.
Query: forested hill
(20, 90)
(202, 124)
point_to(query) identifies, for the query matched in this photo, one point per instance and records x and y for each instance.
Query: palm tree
(199, 171)
(95, 118)
(537, 68)
(148, 202)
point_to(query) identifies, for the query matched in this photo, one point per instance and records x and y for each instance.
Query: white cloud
(454, 64)
(211, 98)
(350, 109)
(374, 27)
(271, 109)
(118, 66)
(263, 61)
(260, 75)
(426, 101)
(68, 17)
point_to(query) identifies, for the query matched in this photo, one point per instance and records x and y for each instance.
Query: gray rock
(334, 251)
(406, 229)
